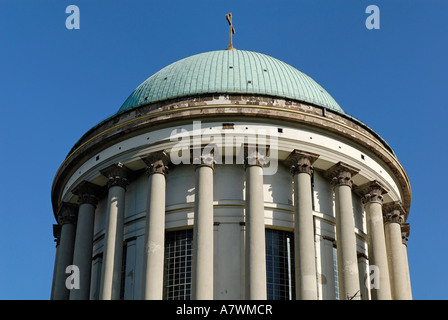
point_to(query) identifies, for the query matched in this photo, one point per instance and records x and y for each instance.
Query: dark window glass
(280, 265)
(178, 259)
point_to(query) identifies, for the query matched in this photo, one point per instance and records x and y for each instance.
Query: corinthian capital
(393, 218)
(393, 212)
(255, 155)
(405, 230)
(118, 175)
(87, 192)
(68, 213)
(371, 192)
(57, 233)
(341, 174)
(157, 162)
(301, 162)
(204, 155)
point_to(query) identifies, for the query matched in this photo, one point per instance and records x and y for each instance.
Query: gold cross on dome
(231, 31)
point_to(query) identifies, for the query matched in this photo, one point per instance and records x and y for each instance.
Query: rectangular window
(280, 265)
(178, 260)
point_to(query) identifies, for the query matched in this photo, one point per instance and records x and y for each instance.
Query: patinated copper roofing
(230, 71)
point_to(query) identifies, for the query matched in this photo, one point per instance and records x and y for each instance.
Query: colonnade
(387, 234)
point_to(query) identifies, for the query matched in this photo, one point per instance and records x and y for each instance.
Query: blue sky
(56, 83)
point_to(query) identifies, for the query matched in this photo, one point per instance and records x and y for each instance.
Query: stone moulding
(135, 121)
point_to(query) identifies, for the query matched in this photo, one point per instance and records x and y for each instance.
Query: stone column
(341, 175)
(113, 239)
(371, 194)
(397, 264)
(255, 228)
(305, 258)
(154, 245)
(57, 240)
(67, 216)
(405, 230)
(82, 257)
(202, 275)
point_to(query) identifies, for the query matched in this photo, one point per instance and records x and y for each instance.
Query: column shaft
(396, 259)
(154, 246)
(300, 163)
(306, 288)
(372, 196)
(113, 245)
(65, 250)
(255, 235)
(57, 236)
(405, 229)
(346, 245)
(348, 274)
(113, 237)
(408, 276)
(82, 256)
(377, 251)
(203, 234)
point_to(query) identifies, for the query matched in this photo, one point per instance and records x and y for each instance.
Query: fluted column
(255, 228)
(341, 176)
(202, 276)
(397, 264)
(372, 196)
(405, 230)
(82, 257)
(67, 219)
(117, 175)
(154, 245)
(300, 164)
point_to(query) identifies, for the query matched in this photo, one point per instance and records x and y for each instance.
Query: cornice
(351, 130)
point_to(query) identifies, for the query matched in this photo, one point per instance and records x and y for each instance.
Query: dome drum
(225, 108)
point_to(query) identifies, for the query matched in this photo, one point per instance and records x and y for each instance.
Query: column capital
(67, 213)
(405, 231)
(57, 233)
(87, 192)
(371, 192)
(393, 218)
(393, 212)
(117, 174)
(300, 161)
(206, 156)
(254, 155)
(157, 162)
(341, 174)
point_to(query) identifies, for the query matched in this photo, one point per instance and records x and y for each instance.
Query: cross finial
(231, 31)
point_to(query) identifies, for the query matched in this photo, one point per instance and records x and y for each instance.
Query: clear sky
(57, 83)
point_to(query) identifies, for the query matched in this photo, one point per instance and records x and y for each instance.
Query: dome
(230, 71)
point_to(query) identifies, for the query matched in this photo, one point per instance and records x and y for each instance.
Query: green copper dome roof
(230, 71)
